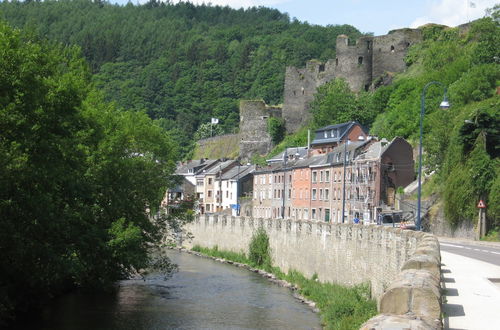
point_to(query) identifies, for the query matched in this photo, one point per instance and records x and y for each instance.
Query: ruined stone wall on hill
(254, 136)
(363, 65)
(354, 62)
(390, 50)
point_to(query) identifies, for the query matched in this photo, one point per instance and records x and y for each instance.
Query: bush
(276, 128)
(259, 251)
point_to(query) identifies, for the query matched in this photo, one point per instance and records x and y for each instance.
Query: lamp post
(443, 105)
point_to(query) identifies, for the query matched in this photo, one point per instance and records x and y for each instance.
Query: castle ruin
(365, 65)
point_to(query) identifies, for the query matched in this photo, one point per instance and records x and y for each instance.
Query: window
(199, 182)
(327, 176)
(327, 194)
(320, 176)
(327, 215)
(325, 134)
(207, 207)
(209, 193)
(306, 214)
(289, 193)
(315, 176)
(321, 194)
(209, 180)
(313, 213)
(360, 60)
(314, 194)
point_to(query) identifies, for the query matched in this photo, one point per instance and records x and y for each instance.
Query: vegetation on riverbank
(79, 178)
(340, 307)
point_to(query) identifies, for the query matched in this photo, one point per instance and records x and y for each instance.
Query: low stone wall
(402, 267)
(413, 300)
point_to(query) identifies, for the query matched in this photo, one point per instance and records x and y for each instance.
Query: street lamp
(443, 105)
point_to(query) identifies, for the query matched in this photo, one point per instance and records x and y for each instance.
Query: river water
(204, 294)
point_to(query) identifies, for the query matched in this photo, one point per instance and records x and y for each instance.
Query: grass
(340, 307)
(492, 236)
(219, 147)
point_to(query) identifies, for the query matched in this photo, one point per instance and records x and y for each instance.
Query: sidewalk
(472, 301)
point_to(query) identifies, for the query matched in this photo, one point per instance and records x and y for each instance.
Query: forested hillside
(181, 64)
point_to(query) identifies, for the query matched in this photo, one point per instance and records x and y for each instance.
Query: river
(203, 294)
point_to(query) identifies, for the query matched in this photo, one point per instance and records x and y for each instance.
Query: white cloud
(453, 12)
(236, 3)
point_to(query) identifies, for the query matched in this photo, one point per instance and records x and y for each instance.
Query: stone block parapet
(413, 300)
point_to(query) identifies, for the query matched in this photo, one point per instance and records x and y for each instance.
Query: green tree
(79, 179)
(276, 128)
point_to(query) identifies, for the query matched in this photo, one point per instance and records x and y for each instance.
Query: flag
(215, 120)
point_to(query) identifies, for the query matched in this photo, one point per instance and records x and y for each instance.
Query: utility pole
(238, 190)
(343, 181)
(285, 156)
(220, 187)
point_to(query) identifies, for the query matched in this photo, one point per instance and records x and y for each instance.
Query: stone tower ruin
(363, 65)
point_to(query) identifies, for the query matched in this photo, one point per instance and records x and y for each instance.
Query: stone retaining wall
(403, 267)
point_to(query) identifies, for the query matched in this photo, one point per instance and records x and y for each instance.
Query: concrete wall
(340, 253)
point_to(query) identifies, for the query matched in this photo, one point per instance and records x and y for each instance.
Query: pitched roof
(219, 167)
(333, 133)
(294, 152)
(194, 166)
(238, 172)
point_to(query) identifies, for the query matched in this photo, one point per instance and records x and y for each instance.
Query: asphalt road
(479, 252)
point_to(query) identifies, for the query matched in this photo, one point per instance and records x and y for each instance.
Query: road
(484, 253)
(471, 278)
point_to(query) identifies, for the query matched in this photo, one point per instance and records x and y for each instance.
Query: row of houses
(344, 174)
(216, 184)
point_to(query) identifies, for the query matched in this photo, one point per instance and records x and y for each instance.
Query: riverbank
(339, 307)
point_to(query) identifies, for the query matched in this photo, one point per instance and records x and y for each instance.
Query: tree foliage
(182, 63)
(276, 128)
(78, 177)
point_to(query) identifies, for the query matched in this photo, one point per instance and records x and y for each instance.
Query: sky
(377, 16)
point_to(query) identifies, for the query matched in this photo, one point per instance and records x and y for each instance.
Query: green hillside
(181, 64)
